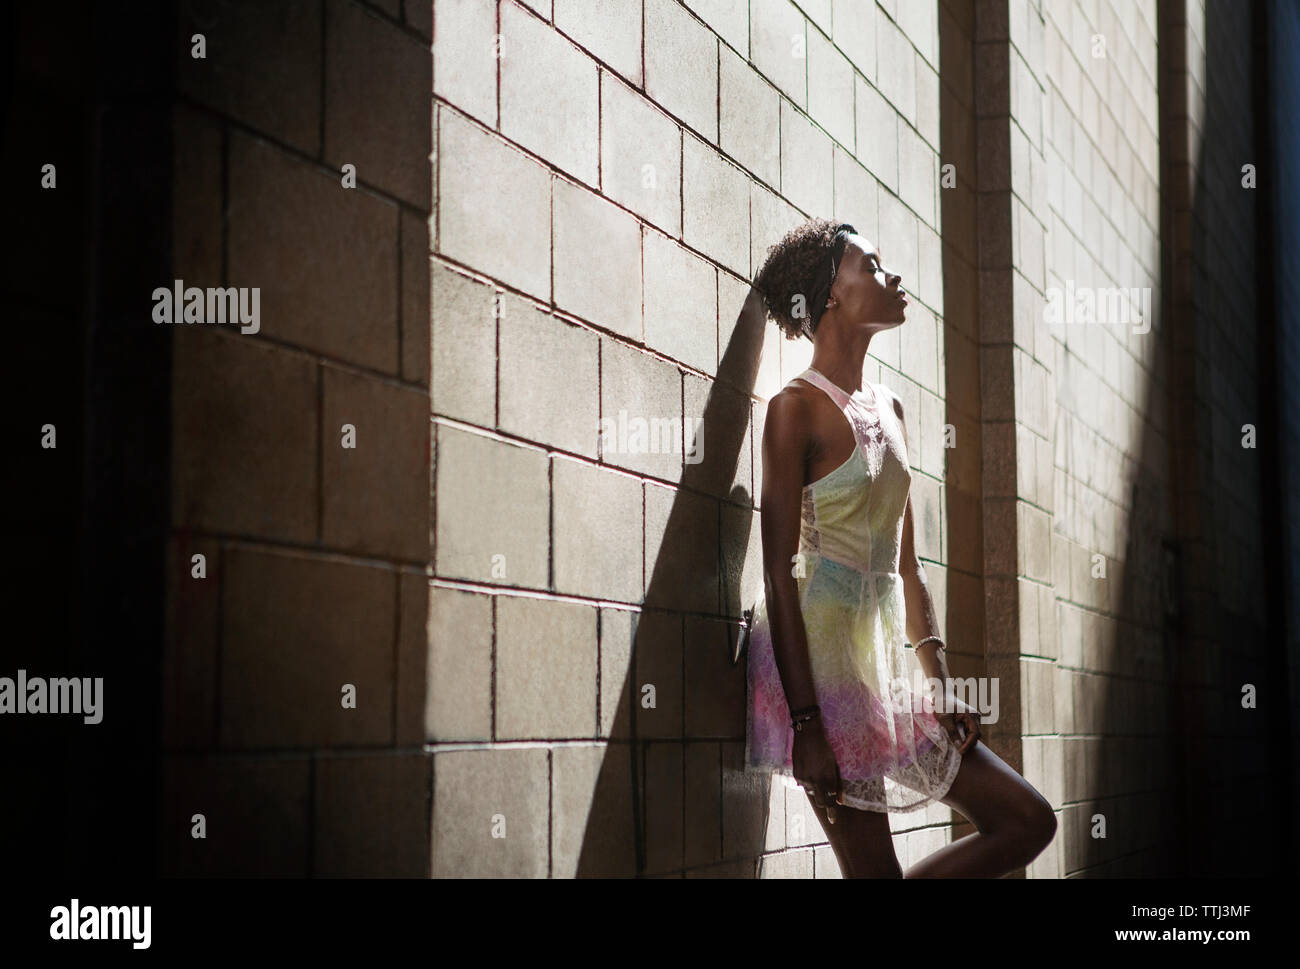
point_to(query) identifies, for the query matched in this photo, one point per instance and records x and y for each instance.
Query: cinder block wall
(607, 179)
(536, 620)
(1225, 430)
(316, 554)
(1093, 439)
(1132, 663)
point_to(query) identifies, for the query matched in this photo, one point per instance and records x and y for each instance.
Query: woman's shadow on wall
(670, 795)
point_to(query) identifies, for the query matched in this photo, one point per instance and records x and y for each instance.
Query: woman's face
(867, 294)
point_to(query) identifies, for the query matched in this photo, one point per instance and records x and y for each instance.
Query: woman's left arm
(921, 621)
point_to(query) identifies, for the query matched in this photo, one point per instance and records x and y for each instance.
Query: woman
(828, 669)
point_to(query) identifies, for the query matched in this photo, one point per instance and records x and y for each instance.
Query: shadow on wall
(1120, 756)
(1197, 593)
(1140, 724)
(1164, 752)
(669, 795)
(1157, 751)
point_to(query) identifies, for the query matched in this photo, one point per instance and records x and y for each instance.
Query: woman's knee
(1037, 822)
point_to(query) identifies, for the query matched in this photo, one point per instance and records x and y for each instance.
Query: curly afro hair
(789, 272)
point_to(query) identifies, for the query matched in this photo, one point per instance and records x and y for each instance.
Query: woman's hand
(957, 719)
(814, 766)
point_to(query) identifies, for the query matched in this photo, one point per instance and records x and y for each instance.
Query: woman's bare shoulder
(789, 406)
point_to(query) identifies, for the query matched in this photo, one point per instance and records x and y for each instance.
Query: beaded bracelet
(927, 639)
(799, 717)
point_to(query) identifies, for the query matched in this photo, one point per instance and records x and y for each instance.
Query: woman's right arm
(785, 445)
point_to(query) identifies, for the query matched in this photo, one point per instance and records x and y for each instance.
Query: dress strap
(840, 396)
(833, 390)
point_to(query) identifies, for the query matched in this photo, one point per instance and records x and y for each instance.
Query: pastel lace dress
(892, 753)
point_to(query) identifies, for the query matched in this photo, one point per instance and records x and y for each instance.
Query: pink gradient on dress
(866, 751)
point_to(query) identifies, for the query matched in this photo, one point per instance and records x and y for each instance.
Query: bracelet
(799, 717)
(927, 639)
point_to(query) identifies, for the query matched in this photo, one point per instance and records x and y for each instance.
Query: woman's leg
(1013, 822)
(861, 842)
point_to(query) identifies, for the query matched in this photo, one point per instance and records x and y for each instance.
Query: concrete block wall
(1099, 486)
(607, 179)
(962, 255)
(1149, 613)
(316, 553)
(537, 617)
(1093, 445)
(1220, 374)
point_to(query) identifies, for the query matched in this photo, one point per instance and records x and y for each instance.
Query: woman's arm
(959, 721)
(785, 447)
(921, 621)
(785, 443)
